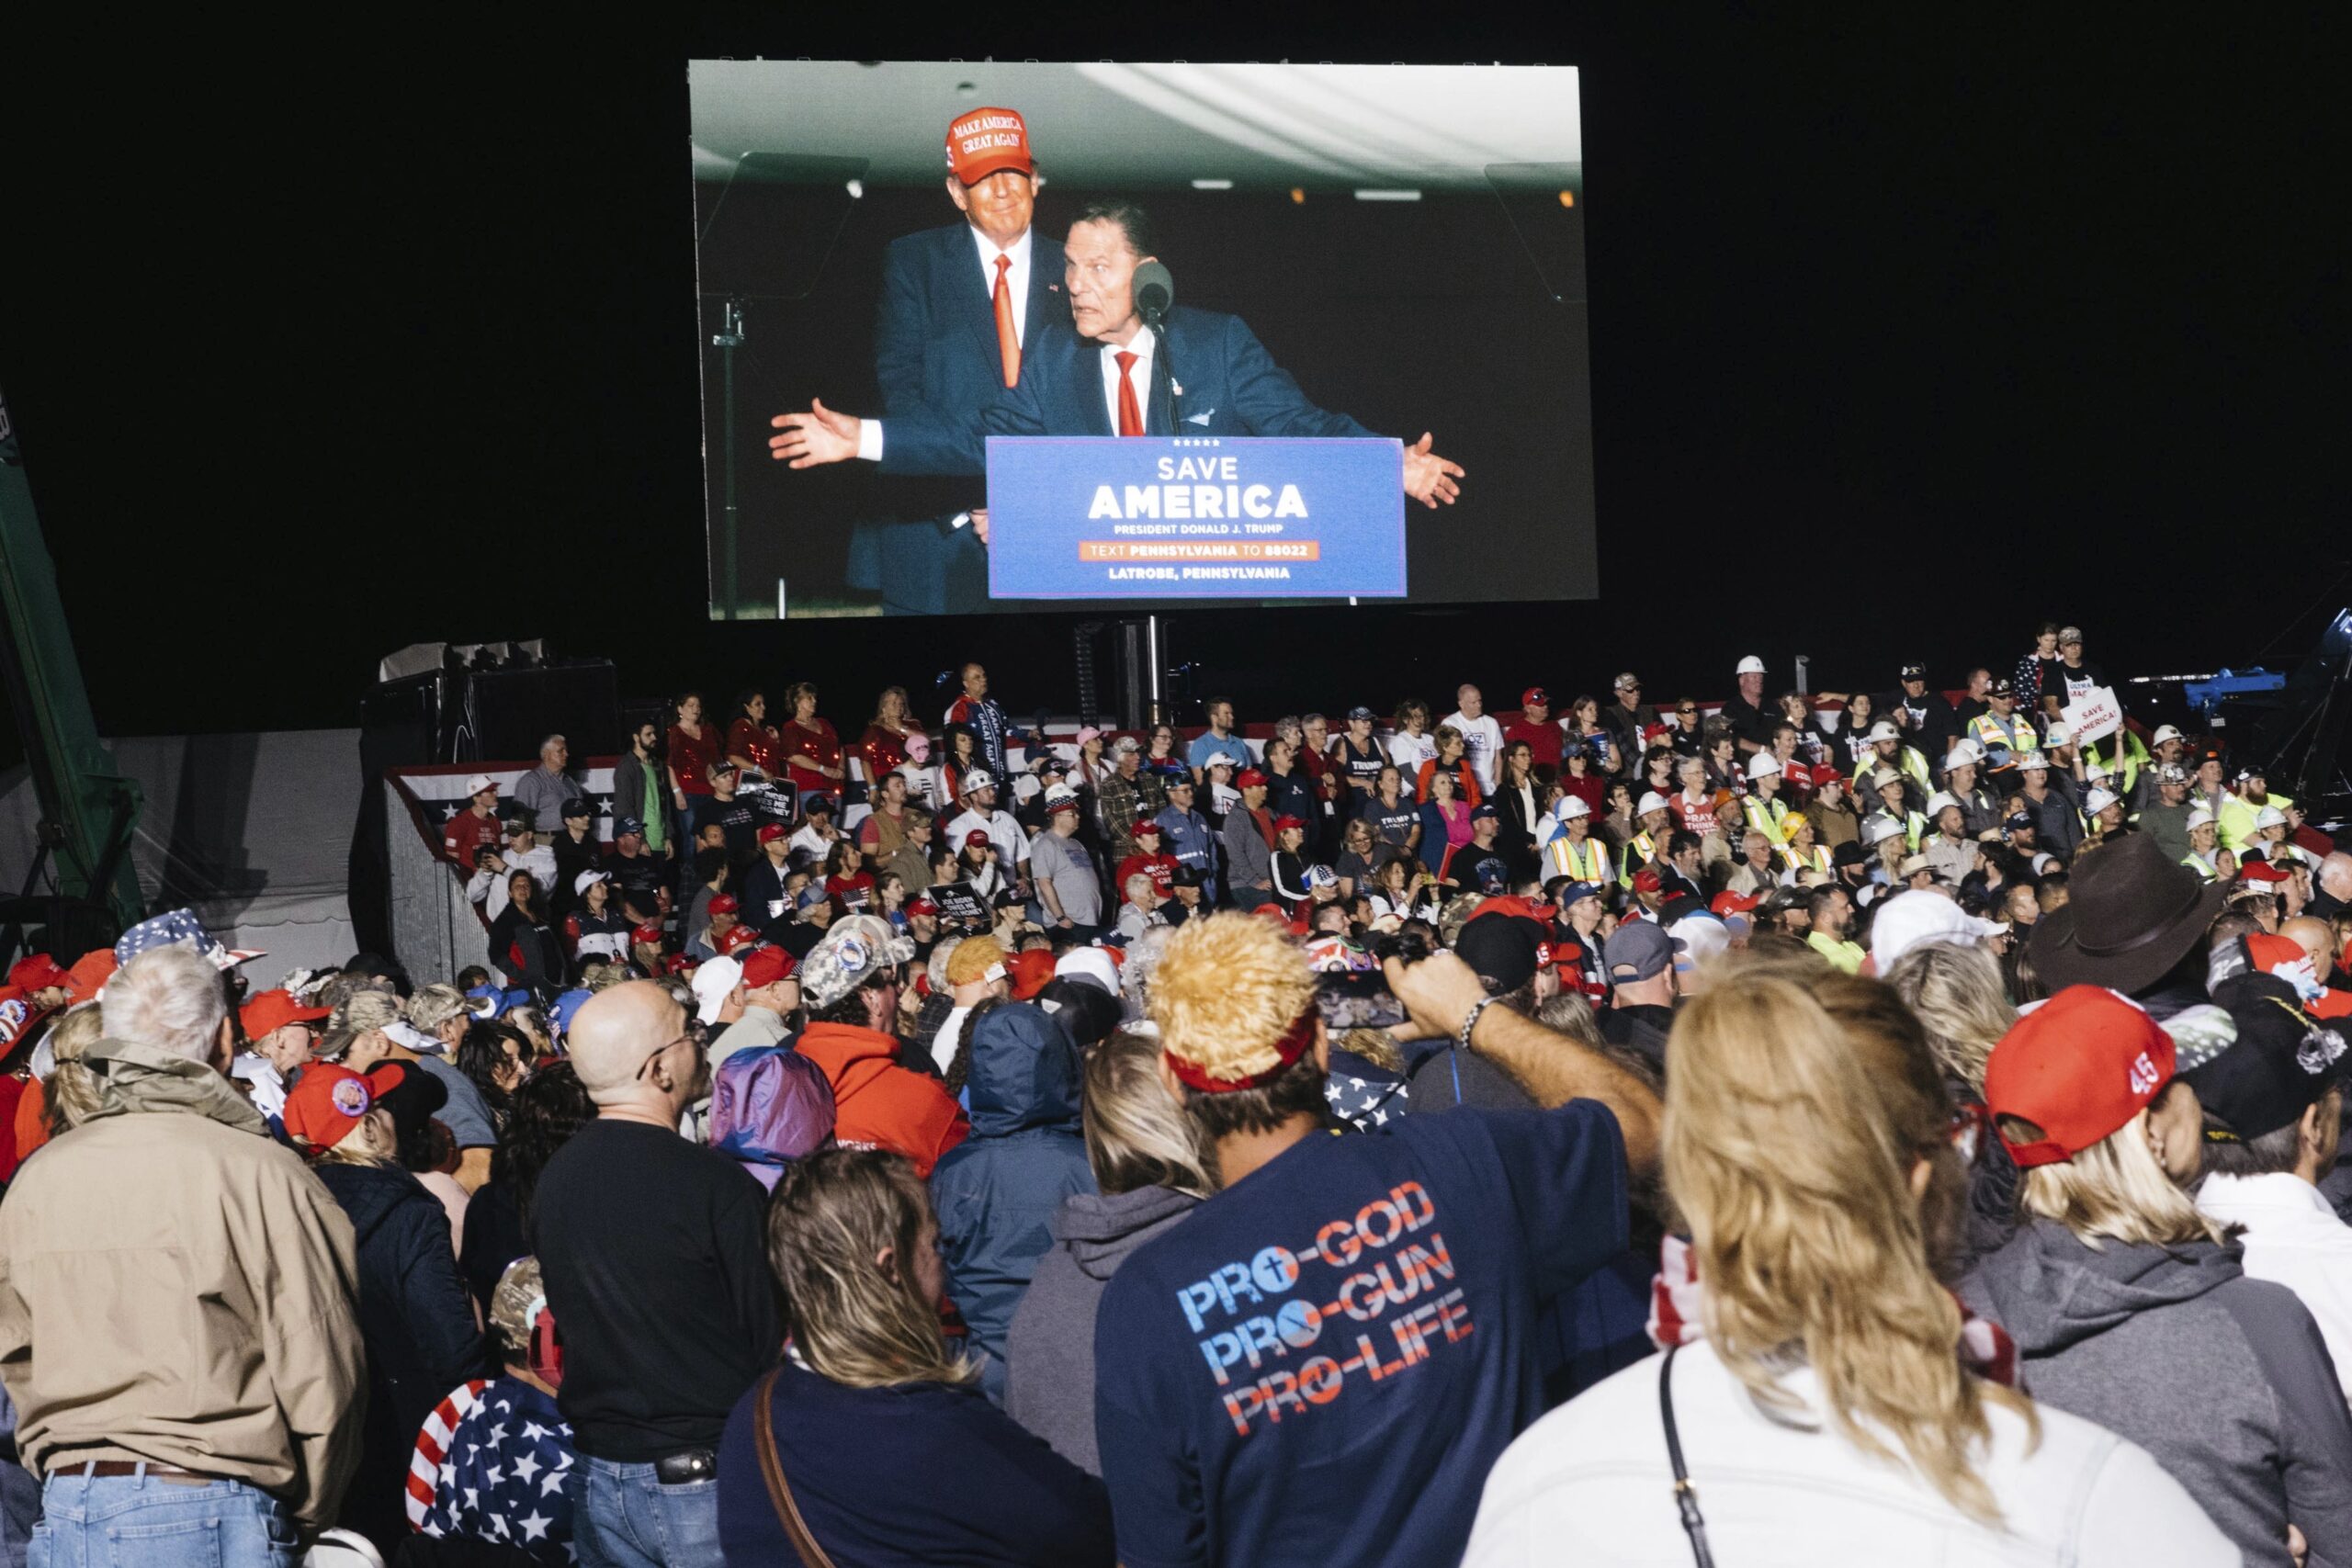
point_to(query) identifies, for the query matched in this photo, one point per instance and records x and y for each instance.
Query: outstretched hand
(820, 435)
(1428, 478)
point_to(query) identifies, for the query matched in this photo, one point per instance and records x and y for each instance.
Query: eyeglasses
(696, 1034)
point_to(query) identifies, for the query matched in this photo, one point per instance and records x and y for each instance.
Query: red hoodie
(879, 1104)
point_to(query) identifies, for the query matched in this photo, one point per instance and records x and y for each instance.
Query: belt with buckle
(108, 1468)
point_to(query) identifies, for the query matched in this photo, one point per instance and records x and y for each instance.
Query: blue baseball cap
(624, 825)
(1575, 890)
(1483, 810)
(566, 1005)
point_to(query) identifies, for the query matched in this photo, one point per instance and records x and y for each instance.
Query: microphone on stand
(1155, 291)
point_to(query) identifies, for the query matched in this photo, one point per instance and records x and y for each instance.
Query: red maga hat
(2079, 1067)
(1248, 778)
(725, 904)
(1286, 823)
(766, 966)
(988, 139)
(273, 1011)
(770, 831)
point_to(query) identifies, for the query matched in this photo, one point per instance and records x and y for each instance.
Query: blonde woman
(1816, 1371)
(1955, 989)
(873, 1437)
(1150, 1170)
(2127, 1306)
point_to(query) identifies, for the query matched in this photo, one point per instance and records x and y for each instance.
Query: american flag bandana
(491, 1464)
(1986, 1347)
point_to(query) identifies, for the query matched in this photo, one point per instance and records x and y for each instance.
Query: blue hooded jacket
(996, 1193)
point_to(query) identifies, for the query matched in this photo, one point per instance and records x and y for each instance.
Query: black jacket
(418, 1327)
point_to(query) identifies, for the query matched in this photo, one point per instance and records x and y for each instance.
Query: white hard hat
(2200, 817)
(1761, 765)
(2033, 759)
(1751, 665)
(1881, 828)
(2097, 801)
(1941, 798)
(1962, 751)
(1650, 801)
(1571, 807)
(2057, 734)
(1883, 730)
(2168, 732)
(2269, 816)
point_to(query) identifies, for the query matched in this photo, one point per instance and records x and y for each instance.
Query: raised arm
(1554, 1068)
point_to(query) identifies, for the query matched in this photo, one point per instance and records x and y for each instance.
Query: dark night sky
(1907, 331)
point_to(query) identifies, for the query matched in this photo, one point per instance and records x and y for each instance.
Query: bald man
(654, 1257)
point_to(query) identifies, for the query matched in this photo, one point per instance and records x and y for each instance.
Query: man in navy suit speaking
(958, 305)
(1096, 376)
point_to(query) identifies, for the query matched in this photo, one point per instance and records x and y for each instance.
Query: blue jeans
(623, 1517)
(140, 1521)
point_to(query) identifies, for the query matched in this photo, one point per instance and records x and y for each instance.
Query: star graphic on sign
(534, 1525)
(526, 1468)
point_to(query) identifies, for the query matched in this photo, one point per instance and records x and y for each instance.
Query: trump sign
(1174, 517)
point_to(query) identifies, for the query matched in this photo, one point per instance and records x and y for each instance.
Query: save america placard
(1173, 517)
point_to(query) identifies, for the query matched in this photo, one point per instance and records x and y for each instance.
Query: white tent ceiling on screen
(1395, 127)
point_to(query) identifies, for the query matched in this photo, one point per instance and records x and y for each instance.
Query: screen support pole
(1154, 710)
(727, 340)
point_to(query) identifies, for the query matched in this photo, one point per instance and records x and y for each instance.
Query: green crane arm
(88, 809)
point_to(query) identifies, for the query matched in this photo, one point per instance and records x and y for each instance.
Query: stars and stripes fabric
(490, 1463)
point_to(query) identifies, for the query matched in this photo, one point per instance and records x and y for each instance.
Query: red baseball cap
(325, 1103)
(2079, 1067)
(650, 932)
(1030, 973)
(766, 966)
(1656, 732)
(38, 972)
(1283, 824)
(1647, 880)
(922, 903)
(1147, 826)
(977, 836)
(1512, 904)
(985, 141)
(725, 904)
(770, 831)
(2262, 871)
(737, 939)
(1535, 696)
(1729, 903)
(273, 1011)
(1248, 778)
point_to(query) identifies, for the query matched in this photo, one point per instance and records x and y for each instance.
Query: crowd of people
(1848, 1127)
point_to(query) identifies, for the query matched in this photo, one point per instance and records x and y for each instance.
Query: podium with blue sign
(1206, 516)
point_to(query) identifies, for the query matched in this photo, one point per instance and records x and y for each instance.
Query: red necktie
(1130, 415)
(1008, 343)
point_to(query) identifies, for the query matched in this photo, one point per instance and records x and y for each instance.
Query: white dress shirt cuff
(869, 440)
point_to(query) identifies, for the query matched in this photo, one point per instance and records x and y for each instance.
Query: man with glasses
(1628, 715)
(652, 1250)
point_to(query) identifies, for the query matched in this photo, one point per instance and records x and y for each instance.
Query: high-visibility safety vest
(2017, 736)
(1588, 862)
(2234, 821)
(1766, 816)
(1908, 760)
(1639, 851)
(2122, 755)
(2208, 867)
(1915, 828)
(1817, 859)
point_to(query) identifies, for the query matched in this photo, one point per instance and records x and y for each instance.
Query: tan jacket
(190, 1290)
